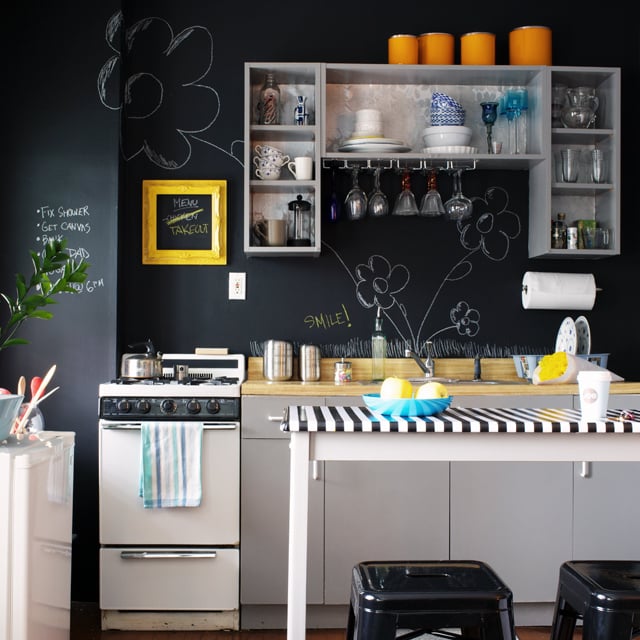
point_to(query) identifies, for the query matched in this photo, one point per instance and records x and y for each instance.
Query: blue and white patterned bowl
(439, 99)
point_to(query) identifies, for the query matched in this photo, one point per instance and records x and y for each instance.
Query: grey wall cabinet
(403, 95)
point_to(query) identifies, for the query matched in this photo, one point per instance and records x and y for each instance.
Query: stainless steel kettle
(141, 365)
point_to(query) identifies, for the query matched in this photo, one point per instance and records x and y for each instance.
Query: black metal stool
(604, 594)
(425, 596)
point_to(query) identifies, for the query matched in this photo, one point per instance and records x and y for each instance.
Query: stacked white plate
(374, 145)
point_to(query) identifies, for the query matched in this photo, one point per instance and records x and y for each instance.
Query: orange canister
(478, 47)
(530, 45)
(403, 49)
(436, 48)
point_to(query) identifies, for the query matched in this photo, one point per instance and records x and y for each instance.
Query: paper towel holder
(568, 299)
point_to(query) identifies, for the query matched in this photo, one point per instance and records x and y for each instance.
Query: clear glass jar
(559, 232)
(269, 101)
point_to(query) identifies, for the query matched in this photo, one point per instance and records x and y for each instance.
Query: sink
(452, 381)
(419, 381)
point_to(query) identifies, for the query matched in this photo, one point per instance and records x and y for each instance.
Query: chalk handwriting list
(69, 222)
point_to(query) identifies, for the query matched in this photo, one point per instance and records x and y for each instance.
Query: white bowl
(446, 136)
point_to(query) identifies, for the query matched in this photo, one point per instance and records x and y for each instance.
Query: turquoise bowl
(405, 407)
(9, 408)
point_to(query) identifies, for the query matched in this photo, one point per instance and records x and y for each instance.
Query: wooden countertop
(500, 369)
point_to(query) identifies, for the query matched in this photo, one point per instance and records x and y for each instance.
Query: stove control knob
(168, 406)
(213, 406)
(143, 406)
(124, 406)
(193, 406)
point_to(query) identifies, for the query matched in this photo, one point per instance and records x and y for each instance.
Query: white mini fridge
(36, 507)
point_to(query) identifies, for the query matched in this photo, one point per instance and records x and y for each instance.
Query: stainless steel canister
(309, 363)
(277, 362)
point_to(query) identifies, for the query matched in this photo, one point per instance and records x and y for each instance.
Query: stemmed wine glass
(378, 202)
(458, 206)
(405, 204)
(514, 105)
(489, 116)
(431, 204)
(356, 201)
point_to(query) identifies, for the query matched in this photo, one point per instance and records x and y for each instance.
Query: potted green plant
(34, 295)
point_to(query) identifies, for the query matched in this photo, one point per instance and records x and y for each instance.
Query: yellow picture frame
(184, 222)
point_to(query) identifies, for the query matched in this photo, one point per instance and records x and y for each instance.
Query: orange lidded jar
(436, 48)
(403, 49)
(478, 47)
(530, 46)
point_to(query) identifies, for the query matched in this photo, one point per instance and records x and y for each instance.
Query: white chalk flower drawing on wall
(163, 85)
(487, 233)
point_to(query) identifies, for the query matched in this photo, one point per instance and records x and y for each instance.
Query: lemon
(431, 390)
(394, 388)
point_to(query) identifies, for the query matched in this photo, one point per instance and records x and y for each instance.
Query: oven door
(123, 519)
(169, 579)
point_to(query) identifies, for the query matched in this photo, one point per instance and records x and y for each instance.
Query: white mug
(302, 167)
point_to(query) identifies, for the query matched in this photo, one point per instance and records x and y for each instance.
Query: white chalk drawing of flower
(378, 282)
(487, 233)
(163, 104)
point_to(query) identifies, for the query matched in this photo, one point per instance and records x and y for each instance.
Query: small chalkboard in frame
(184, 222)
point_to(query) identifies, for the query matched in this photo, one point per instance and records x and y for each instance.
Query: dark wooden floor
(85, 625)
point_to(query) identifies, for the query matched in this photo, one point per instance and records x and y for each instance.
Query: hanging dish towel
(170, 469)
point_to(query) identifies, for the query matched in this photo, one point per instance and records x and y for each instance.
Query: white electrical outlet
(237, 286)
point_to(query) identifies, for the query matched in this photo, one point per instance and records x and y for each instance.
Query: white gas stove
(171, 568)
(192, 387)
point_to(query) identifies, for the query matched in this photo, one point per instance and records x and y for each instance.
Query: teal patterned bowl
(405, 407)
(9, 408)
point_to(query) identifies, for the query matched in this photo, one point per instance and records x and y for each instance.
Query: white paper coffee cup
(594, 394)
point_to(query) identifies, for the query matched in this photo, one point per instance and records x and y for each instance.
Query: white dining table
(459, 434)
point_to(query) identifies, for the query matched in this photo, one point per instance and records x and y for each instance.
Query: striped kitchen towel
(170, 467)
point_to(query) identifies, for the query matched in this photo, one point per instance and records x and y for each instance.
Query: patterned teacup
(271, 172)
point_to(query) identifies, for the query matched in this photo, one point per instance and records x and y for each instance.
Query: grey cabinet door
(515, 516)
(264, 513)
(381, 511)
(606, 505)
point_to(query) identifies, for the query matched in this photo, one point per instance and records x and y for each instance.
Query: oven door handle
(164, 555)
(132, 426)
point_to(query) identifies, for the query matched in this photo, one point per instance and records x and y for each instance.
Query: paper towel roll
(558, 290)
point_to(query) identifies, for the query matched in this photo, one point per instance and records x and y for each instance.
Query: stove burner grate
(188, 381)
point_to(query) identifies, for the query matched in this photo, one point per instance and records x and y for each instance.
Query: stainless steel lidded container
(309, 362)
(277, 361)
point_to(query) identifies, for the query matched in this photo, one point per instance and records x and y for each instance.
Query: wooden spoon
(22, 385)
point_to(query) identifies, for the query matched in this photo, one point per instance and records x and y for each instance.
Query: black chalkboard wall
(62, 152)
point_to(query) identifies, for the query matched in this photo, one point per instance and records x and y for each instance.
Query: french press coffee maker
(300, 223)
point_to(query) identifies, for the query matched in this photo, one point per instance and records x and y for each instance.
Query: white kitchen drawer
(155, 582)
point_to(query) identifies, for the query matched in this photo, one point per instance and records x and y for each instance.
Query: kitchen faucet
(428, 366)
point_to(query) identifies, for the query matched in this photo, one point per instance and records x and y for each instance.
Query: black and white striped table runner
(456, 420)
